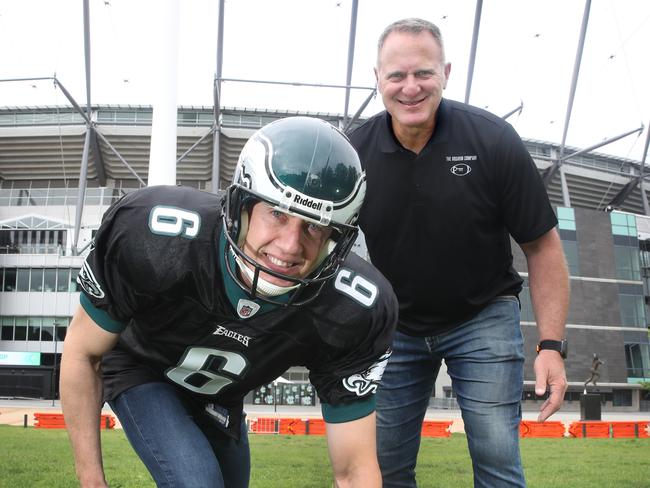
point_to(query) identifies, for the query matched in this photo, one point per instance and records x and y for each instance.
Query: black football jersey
(155, 273)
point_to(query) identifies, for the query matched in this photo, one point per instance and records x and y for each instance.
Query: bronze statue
(594, 372)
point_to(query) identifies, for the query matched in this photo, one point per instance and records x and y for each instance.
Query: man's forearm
(549, 285)
(81, 400)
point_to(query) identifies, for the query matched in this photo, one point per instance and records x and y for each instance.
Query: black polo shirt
(437, 224)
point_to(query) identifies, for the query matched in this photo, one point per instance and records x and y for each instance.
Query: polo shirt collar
(388, 143)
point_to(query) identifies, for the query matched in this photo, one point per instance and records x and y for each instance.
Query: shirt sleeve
(129, 266)
(100, 317)
(523, 200)
(350, 365)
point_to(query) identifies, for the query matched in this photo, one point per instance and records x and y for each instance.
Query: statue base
(590, 406)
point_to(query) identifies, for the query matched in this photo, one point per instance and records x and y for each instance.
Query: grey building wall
(595, 244)
(594, 320)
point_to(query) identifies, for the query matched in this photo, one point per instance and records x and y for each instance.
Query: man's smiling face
(283, 243)
(411, 76)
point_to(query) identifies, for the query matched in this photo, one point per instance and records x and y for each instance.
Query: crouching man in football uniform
(189, 302)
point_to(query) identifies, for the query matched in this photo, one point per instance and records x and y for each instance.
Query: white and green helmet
(304, 167)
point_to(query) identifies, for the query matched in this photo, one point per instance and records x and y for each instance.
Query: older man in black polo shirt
(447, 186)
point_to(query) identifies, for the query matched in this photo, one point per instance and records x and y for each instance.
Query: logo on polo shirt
(462, 167)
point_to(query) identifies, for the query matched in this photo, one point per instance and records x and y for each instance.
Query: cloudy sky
(526, 53)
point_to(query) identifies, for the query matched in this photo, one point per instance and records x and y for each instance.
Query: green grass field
(33, 458)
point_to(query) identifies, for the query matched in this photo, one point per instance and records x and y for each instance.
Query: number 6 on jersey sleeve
(356, 287)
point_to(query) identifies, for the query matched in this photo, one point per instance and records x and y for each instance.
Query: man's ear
(447, 71)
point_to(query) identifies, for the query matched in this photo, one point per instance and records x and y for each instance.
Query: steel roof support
(472, 53)
(550, 172)
(351, 42)
(216, 139)
(627, 190)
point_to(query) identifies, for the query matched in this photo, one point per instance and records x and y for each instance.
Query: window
(47, 330)
(632, 310)
(39, 279)
(566, 218)
(7, 333)
(637, 360)
(34, 329)
(62, 279)
(623, 224)
(22, 279)
(20, 332)
(36, 283)
(622, 398)
(49, 279)
(61, 329)
(10, 279)
(627, 263)
(74, 286)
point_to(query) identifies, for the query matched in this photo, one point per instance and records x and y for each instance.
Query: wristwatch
(559, 346)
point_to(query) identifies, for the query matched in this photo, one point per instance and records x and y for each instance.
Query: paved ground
(13, 411)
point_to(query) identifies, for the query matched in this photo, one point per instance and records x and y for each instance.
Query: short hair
(412, 25)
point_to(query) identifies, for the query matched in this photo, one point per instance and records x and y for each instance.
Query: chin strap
(263, 286)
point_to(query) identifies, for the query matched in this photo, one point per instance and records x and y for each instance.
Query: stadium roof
(46, 144)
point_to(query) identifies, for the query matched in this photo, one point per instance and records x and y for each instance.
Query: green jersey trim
(346, 412)
(100, 317)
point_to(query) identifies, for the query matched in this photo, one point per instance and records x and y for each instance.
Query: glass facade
(623, 224)
(29, 197)
(628, 266)
(33, 328)
(637, 361)
(39, 279)
(568, 233)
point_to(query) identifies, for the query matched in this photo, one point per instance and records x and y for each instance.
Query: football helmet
(304, 167)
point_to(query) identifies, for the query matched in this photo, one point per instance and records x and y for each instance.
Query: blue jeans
(484, 359)
(180, 447)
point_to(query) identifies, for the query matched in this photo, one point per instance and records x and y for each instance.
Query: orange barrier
(430, 428)
(531, 428)
(589, 429)
(286, 426)
(630, 429)
(609, 429)
(293, 427)
(263, 425)
(436, 428)
(315, 427)
(56, 421)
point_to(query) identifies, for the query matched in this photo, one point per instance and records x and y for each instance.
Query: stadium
(63, 165)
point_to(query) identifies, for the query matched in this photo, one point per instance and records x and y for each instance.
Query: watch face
(564, 349)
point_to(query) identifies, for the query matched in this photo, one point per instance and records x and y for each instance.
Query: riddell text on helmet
(308, 202)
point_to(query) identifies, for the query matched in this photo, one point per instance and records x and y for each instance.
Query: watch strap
(559, 346)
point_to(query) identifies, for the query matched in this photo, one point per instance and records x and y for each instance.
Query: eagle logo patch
(366, 383)
(88, 282)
